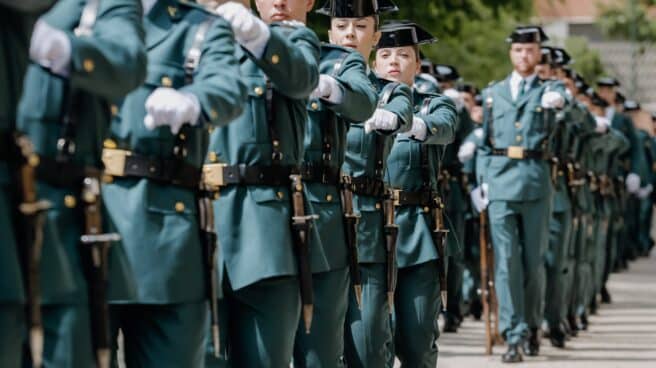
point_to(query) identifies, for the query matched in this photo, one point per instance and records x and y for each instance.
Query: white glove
(51, 48)
(479, 197)
(552, 100)
(643, 193)
(418, 130)
(250, 31)
(166, 106)
(381, 120)
(328, 89)
(466, 151)
(632, 183)
(455, 96)
(602, 124)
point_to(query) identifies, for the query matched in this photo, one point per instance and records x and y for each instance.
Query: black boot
(532, 344)
(605, 296)
(584, 322)
(450, 323)
(557, 337)
(594, 306)
(573, 323)
(512, 355)
(476, 309)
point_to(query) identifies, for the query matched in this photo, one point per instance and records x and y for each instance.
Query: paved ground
(623, 334)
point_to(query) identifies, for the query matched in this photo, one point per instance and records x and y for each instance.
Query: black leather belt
(64, 174)
(221, 175)
(121, 163)
(321, 174)
(519, 153)
(367, 186)
(423, 198)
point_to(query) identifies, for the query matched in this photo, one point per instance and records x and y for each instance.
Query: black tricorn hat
(596, 99)
(619, 98)
(570, 73)
(467, 88)
(446, 73)
(608, 82)
(426, 66)
(548, 55)
(401, 33)
(631, 105)
(356, 8)
(527, 34)
(561, 57)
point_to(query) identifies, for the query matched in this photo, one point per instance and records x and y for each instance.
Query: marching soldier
(519, 188)
(452, 186)
(254, 163)
(368, 336)
(425, 81)
(153, 159)
(412, 170)
(84, 55)
(16, 20)
(345, 95)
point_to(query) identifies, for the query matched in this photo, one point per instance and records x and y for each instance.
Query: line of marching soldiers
(225, 190)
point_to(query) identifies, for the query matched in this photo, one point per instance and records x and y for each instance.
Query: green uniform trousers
(67, 337)
(258, 324)
(416, 306)
(585, 264)
(601, 253)
(324, 345)
(571, 260)
(12, 332)
(161, 335)
(520, 233)
(456, 265)
(368, 336)
(560, 228)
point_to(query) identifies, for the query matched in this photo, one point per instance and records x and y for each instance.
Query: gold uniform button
(426, 209)
(258, 91)
(560, 173)
(518, 125)
(214, 114)
(314, 106)
(434, 130)
(275, 59)
(114, 110)
(179, 207)
(378, 206)
(88, 65)
(166, 81)
(329, 198)
(212, 156)
(33, 160)
(110, 143)
(70, 201)
(210, 129)
(518, 138)
(280, 195)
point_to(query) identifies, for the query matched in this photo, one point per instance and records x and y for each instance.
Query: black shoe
(557, 337)
(476, 309)
(450, 323)
(594, 306)
(512, 355)
(532, 344)
(584, 322)
(605, 296)
(573, 324)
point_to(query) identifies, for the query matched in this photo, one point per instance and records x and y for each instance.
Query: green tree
(586, 60)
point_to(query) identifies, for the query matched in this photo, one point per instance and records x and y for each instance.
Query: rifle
(440, 234)
(32, 216)
(391, 231)
(351, 220)
(208, 240)
(488, 293)
(300, 229)
(96, 250)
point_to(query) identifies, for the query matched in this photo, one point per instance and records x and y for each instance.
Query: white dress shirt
(610, 113)
(147, 5)
(516, 79)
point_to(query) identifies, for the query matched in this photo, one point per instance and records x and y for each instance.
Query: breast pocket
(355, 139)
(256, 130)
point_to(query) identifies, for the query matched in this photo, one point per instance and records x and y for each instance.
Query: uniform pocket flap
(170, 200)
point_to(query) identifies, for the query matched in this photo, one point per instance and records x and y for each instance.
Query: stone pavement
(622, 335)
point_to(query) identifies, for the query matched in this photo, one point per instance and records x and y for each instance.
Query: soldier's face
(570, 85)
(468, 100)
(477, 114)
(544, 71)
(282, 10)
(399, 64)
(356, 33)
(607, 93)
(524, 57)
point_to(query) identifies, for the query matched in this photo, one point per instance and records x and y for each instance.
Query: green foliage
(629, 21)
(471, 33)
(587, 61)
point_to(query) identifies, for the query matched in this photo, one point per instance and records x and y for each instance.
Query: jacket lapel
(535, 87)
(504, 91)
(159, 21)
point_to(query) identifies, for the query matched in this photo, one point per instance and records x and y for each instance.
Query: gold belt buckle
(114, 161)
(213, 175)
(396, 197)
(516, 152)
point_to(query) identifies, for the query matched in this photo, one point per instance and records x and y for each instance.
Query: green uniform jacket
(15, 29)
(360, 160)
(582, 126)
(328, 242)
(254, 222)
(406, 170)
(634, 159)
(104, 67)
(157, 221)
(517, 123)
